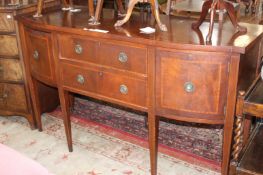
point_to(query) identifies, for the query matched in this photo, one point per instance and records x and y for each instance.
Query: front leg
(154, 5)
(128, 15)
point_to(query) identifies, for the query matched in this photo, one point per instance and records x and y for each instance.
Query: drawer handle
(8, 17)
(80, 79)
(123, 89)
(35, 55)
(123, 58)
(4, 96)
(189, 87)
(78, 49)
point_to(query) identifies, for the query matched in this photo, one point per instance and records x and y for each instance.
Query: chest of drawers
(14, 91)
(170, 74)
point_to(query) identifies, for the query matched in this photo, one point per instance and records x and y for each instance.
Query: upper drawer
(8, 45)
(192, 84)
(126, 57)
(6, 22)
(10, 70)
(12, 97)
(40, 55)
(76, 48)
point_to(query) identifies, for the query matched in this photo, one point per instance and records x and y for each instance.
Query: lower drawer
(109, 85)
(12, 97)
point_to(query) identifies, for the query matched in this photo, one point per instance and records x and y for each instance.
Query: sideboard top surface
(180, 33)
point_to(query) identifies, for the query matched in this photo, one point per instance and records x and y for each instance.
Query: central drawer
(117, 55)
(111, 86)
(10, 70)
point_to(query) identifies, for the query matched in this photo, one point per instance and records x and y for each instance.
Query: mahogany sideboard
(171, 74)
(14, 93)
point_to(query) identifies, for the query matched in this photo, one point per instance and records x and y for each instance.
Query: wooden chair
(248, 103)
(212, 6)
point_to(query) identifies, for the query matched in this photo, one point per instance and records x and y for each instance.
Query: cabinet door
(40, 55)
(192, 85)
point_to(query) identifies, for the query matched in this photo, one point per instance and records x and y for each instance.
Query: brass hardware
(189, 87)
(4, 96)
(80, 79)
(123, 89)
(8, 17)
(35, 55)
(78, 49)
(123, 57)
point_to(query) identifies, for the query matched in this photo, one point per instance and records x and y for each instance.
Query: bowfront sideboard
(171, 74)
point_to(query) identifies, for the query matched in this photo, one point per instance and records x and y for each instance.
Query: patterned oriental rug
(195, 143)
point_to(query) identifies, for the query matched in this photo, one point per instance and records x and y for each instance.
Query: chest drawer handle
(78, 49)
(35, 55)
(189, 87)
(4, 96)
(8, 17)
(123, 58)
(80, 79)
(123, 89)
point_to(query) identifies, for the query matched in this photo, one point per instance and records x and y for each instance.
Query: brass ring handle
(78, 49)
(189, 87)
(123, 89)
(123, 58)
(80, 79)
(35, 55)
(262, 72)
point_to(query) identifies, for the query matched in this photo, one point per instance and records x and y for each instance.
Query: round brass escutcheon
(78, 49)
(80, 79)
(123, 89)
(35, 55)
(189, 87)
(123, 58)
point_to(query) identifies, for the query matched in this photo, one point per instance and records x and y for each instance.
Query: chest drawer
(6, 22)
(8, 45)
(124, 57)
(109, 85)
(40, 57)
(77, 48)
(12, 97)
(192, 84)
(10, 70)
